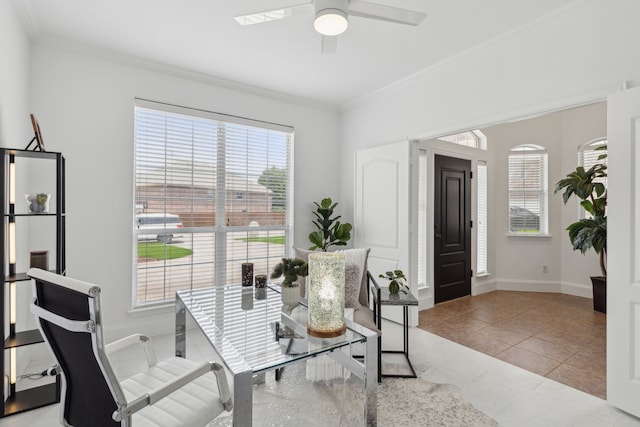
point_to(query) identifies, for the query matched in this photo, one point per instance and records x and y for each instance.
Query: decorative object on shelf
(37, 138)
(590, 232)
(261, 281)
(38, 203)
(261, 286)
(290, 269)
(396, 280)
(247, 273)
(330, 231)
(325, 291)
(39, 259)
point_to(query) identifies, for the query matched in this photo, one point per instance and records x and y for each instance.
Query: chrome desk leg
(371, 381)
(181, 329)
(243, 399)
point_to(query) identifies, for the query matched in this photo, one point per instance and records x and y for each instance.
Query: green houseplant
(329, 231)
(590, 233)
(290, 269)
(396, 281)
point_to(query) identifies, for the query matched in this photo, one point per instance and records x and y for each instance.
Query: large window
(482, 219)
(211, 192)
(588, 154)
(528, 190)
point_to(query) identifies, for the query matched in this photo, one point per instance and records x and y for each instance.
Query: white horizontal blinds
(528, 189)
(207, 171)
(588, 157)
(481, 250)
(422, 218)
(256, 197)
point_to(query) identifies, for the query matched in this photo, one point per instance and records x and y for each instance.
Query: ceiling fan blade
(365, 9)
(270, 15)
(328, 44)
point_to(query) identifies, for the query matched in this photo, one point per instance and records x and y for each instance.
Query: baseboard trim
(483, 288)
(576, 289)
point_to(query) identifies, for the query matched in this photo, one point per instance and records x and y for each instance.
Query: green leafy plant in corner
(589, 232)
(291, 269)
(396, 281)
(330, 231)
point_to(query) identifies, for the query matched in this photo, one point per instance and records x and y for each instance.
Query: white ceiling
(281, 56)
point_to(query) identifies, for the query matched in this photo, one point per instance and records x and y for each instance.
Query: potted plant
(590, 232)
(396, 281)
(290, 269)
(329, 231)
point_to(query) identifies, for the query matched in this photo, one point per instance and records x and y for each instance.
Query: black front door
(452, 222)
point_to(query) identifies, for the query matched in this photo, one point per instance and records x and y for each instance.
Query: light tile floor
(510, 395)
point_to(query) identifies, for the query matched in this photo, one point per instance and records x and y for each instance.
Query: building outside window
(217, 188)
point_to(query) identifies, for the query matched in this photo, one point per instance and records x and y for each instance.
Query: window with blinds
(211, 192)
(588, 154)
(481, 229)
(422, 219)
(528, 190)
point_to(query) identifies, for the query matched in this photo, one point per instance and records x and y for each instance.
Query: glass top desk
(255, 335)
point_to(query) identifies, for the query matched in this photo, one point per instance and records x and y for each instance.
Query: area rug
(401, 402)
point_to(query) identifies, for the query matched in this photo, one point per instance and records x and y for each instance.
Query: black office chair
(174, 392)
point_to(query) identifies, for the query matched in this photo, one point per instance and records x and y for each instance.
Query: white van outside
(169, 223)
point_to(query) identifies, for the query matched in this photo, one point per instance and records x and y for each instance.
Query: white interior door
(623, 245)
(382, 214)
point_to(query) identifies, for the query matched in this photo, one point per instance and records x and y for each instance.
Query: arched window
(528, 190)
(472, 138)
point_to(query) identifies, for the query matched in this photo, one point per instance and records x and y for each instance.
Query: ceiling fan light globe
(330, 22)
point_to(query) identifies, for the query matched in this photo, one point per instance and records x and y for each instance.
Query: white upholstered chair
(175, 392)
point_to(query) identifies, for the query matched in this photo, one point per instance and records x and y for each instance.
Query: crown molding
(171, 70)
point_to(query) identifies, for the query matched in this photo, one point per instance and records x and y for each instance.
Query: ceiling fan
(331, 17)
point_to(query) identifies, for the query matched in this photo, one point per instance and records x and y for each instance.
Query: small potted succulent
(396, 280)
(290, 269)
(38, 203)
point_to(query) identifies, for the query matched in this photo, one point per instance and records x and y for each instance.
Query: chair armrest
(133, 340)
(166, 389)
(376, 291)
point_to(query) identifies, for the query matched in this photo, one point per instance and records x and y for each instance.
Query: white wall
(15, 126)
(574, 57)
(86, 104)
(519, 261)
(15, 132)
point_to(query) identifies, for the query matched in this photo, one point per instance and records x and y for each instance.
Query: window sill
(481, 275)
(543, 236)
(151, 310)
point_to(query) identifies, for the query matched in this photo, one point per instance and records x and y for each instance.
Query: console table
(399, 299)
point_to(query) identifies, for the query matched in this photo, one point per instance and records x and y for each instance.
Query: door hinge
(471, 271)
(470, 174)
(471, 223)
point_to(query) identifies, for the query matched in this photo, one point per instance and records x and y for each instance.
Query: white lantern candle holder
(325, 291)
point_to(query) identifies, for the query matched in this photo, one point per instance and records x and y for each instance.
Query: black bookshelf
(14, 401)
